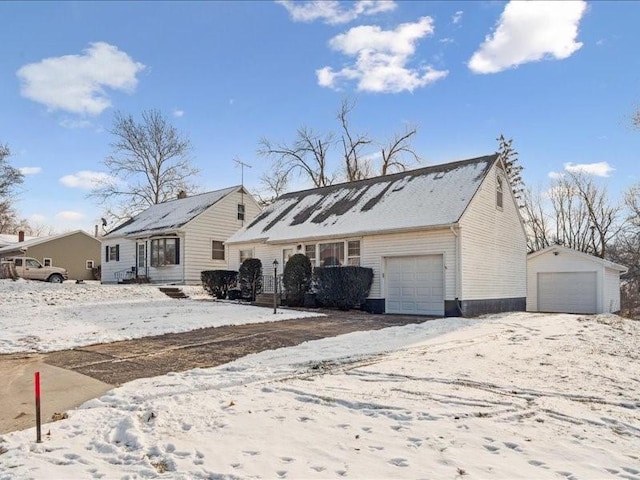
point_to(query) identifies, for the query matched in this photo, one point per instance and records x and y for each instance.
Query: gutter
(361, 233)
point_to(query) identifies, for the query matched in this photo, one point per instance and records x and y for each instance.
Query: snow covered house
(77, 251)
(561, 279)
(172, 242)
(442, 240)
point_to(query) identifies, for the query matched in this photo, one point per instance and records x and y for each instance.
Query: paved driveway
(119, 362)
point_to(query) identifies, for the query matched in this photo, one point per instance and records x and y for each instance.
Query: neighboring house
(77, 252)
(6, 239)
(564, 280)
(442, 240)
(172, 242)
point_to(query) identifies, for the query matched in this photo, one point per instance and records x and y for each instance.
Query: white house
(442, 240)
(172, 242)
(561, 279)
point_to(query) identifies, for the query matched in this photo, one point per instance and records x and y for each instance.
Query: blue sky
(561, 78)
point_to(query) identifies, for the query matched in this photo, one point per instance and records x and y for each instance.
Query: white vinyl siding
(127, 258)
(607, 294)
(217, 223)
(611, 290)
(493, 248)
(567, 292)
(374, 249)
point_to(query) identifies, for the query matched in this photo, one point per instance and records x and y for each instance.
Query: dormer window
(499, 194)
(240, 211)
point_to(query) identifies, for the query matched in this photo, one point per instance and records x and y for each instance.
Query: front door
(142, 259)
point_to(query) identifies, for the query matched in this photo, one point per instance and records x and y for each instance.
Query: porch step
(173, 292)
(265, 300)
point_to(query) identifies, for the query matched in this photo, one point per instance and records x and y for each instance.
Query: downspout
(458, 271)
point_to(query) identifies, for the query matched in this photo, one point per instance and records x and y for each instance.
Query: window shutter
(177, 251)
(117, 253)
(106, 251)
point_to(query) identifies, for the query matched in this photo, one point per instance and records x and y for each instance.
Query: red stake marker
(38, 424)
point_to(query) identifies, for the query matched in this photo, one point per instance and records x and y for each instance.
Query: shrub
(218, 282)
(250, 277)
(343, 287)
(297, 279)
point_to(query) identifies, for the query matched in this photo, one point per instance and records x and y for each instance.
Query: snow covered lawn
(509, 396)
(43, 317)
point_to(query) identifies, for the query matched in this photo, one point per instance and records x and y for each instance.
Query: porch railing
(268, 283)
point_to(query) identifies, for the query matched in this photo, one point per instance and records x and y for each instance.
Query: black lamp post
(275, 286)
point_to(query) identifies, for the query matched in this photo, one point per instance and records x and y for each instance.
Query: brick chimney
(21, 236)
(182, 194)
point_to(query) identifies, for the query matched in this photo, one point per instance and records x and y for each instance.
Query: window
(245, 255)
(141, 255)
(240, 211)
(353, 253)
(217, 250)
(310, 252)
(112, 253)
(33, 263)
(499, 193)
(331, 254)
(287, 253)
(165, 251)
(90, 264)
(17, 262)
(47, 262)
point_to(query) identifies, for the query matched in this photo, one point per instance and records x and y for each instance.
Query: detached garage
(560, 279)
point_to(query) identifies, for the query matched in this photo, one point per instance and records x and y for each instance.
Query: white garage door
(415, 285)
(570, 292)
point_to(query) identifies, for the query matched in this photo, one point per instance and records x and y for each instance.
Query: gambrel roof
(428, 197)
(169, 216)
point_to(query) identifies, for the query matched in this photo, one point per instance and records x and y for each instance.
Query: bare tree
(307, 155)
(396, 149)
(356, 167)
(274, 184)
(10, 179)
(150, 164)
(536, 220)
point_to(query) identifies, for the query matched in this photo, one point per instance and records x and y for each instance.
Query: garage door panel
(570, 292)
(415, 285)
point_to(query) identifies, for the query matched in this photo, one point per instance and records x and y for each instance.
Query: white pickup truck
(31, 269)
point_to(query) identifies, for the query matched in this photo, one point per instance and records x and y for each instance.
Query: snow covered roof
(585, 256)
(427, 197)
(33, 241)
(169, 215)
(6, 239)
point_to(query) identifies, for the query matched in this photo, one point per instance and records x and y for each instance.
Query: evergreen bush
(343, 287)
(218, 282)
(297, 279)
(250, 278)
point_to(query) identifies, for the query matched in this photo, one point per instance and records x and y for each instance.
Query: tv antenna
(241, 164)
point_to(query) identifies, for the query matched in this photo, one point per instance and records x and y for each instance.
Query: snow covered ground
(508, 396)
(42, 317)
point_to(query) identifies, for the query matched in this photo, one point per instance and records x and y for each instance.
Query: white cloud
(178, 113)
(381, 58)
(599, 169)
(332, 12)
(86, 179)
(70, 216)
(457, 17)
(529, 32)
(555, 175)
(77, 83)
(72, 123)
(30, 170)
(37, 218)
